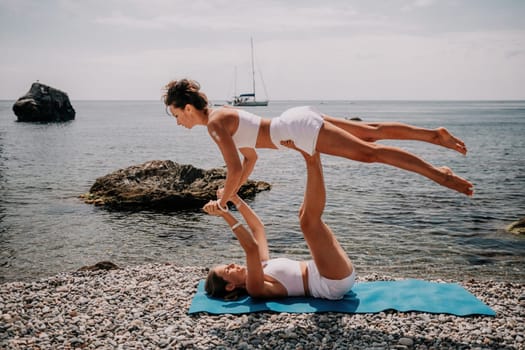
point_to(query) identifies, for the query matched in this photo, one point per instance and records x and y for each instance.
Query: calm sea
(388, 220)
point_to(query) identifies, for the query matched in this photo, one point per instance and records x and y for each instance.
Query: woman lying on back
(329, 275)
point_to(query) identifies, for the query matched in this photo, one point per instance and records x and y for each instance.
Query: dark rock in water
(163, 185)
(103, 265)
(355, 119)
(43, 103)
(517, 228)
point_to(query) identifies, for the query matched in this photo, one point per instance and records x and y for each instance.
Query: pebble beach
(146, 307)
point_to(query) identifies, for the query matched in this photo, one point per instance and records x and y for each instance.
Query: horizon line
(304, 99)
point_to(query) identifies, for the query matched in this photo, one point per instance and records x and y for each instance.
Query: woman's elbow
(259, 230)
(257, 294)
(251, 247)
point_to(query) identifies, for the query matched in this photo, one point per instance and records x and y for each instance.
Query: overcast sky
(305, 49)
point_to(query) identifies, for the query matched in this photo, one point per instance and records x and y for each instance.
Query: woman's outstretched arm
(255, 276)
(248, 164)
(224, 141)
(256, 226)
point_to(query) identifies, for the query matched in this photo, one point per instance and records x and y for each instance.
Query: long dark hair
(183, 92)
(215, 286)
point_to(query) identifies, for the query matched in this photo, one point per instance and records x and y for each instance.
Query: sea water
(388, 220)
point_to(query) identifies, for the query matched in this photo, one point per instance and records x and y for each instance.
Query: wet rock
(103, 265)
(517, 228)
(43, 103)
(163, 185)
(354, 119)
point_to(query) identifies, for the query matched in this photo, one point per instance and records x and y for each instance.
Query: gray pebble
(406, 341)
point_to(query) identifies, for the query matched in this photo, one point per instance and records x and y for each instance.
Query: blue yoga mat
(365, 297)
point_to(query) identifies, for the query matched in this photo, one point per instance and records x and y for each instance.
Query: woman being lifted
(329, 275)
(236, 130)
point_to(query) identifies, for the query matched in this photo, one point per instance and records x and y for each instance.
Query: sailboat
(248, 99)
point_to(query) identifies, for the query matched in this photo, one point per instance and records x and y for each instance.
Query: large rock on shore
(43, 103)
(163, 185)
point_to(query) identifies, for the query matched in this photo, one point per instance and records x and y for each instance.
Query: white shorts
(321, 287)
(299, 124)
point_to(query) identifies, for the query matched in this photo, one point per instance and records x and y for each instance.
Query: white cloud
(423, 3)
(416, 4)
(267, 17)
(127, 21)
(398, 66)
(306, 49)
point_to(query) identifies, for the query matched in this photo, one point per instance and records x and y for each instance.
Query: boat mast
(235, 81)
(253, 70)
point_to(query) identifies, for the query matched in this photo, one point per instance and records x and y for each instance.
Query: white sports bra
(288, 273)
(248, 129)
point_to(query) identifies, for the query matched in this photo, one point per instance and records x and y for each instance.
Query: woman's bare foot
(446, 139)
(290, 144)
(455, 182)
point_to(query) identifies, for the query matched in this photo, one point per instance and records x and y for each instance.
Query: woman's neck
(207, 113)
(202, 116)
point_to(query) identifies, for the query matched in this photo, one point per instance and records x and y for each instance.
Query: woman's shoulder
(233, 111)
(223, 116)
(224, 112)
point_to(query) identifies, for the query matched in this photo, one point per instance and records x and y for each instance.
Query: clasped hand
(212, 208)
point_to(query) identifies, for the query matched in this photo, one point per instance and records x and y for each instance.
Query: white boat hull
(249, 103)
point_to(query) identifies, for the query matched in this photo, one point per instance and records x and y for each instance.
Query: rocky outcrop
(43, 103)
(102, 265)
(163, 185)
(517, 227)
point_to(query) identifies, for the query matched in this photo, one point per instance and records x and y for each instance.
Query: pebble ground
(146, 307)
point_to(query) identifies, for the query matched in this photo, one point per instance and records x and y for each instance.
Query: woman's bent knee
(309, 222)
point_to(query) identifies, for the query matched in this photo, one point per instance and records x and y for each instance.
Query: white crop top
(288, 273)
(246, 133)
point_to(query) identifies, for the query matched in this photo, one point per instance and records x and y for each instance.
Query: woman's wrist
(237, 201)
(235, 226)
(223, 209)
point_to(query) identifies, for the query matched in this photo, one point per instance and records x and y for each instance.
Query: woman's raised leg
(338, 142)
(398, 131)
(329, 257)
